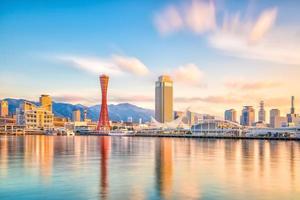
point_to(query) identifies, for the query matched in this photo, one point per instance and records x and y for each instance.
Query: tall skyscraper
(3, 108)
(292, 117)
(103, 123)
(76, 115)
(274, 113)
(164, 99)
(292, 105)
(46, 102)
(262, 112)
(248, 116)
(230, 115)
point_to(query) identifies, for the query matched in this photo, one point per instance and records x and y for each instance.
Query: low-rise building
(60, 121)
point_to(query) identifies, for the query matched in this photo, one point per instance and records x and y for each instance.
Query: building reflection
(104, 176)
(39, 150)
(4, 156)
(164, 167)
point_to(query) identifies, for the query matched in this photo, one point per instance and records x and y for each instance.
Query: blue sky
(220, 54)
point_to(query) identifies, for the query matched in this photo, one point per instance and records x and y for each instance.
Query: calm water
(46, 167)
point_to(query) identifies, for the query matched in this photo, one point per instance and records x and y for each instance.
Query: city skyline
(63, 48)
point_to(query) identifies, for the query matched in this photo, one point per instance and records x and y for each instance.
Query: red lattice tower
(103, 123)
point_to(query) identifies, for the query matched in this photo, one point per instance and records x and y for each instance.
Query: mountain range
(116, 112)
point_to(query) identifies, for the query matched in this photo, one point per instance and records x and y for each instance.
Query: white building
(34, 117)
(215, 127)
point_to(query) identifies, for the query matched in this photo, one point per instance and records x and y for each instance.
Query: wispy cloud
(168, 20)
(263, 24)
(130, 64)
(196, 16)
(251, 85)
(114, 65)
(209, 99)
(256, 38)
(188, 74)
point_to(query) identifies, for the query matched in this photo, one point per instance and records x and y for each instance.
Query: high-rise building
(34, 117)
(103, 123)
(129, 119)
(76, 116)
(262, 112)
(3, 108)
(292, 105)
(230, 115)
(164, 99)
(292, 117)
(274, 113)
(248, 116)
(46, 102)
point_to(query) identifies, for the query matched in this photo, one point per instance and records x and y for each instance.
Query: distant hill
(116, 112)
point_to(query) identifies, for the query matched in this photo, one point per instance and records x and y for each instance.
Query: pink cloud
(188, 74)
(252, 85)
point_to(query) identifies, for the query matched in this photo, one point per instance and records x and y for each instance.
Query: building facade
(76, 116)
(164, 99)
(34, 117)
(248, 116)
(293, 118)
(46, 102)
(262, 112)
(273, 114)
(3, 108)
(230, 115)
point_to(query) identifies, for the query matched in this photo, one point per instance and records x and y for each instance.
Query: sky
(221, 54)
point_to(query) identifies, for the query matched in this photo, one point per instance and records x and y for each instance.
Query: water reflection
(104, 149)
(31, 167)
(164, 167)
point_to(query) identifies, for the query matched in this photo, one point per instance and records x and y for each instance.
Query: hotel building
(164, 99)
(36, 117)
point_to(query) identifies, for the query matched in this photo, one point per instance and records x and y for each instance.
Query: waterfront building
(273, 114)
(76, 115)
(34, 117)
(230, 115)
(103, 122)
(46, 102)
(60, 121)
(248, 116)
(293, 118)
(262, 112)
(215, 127)
(280, 121)
(190, 118)
(164, 99)
(3, 108)
(80, 126)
